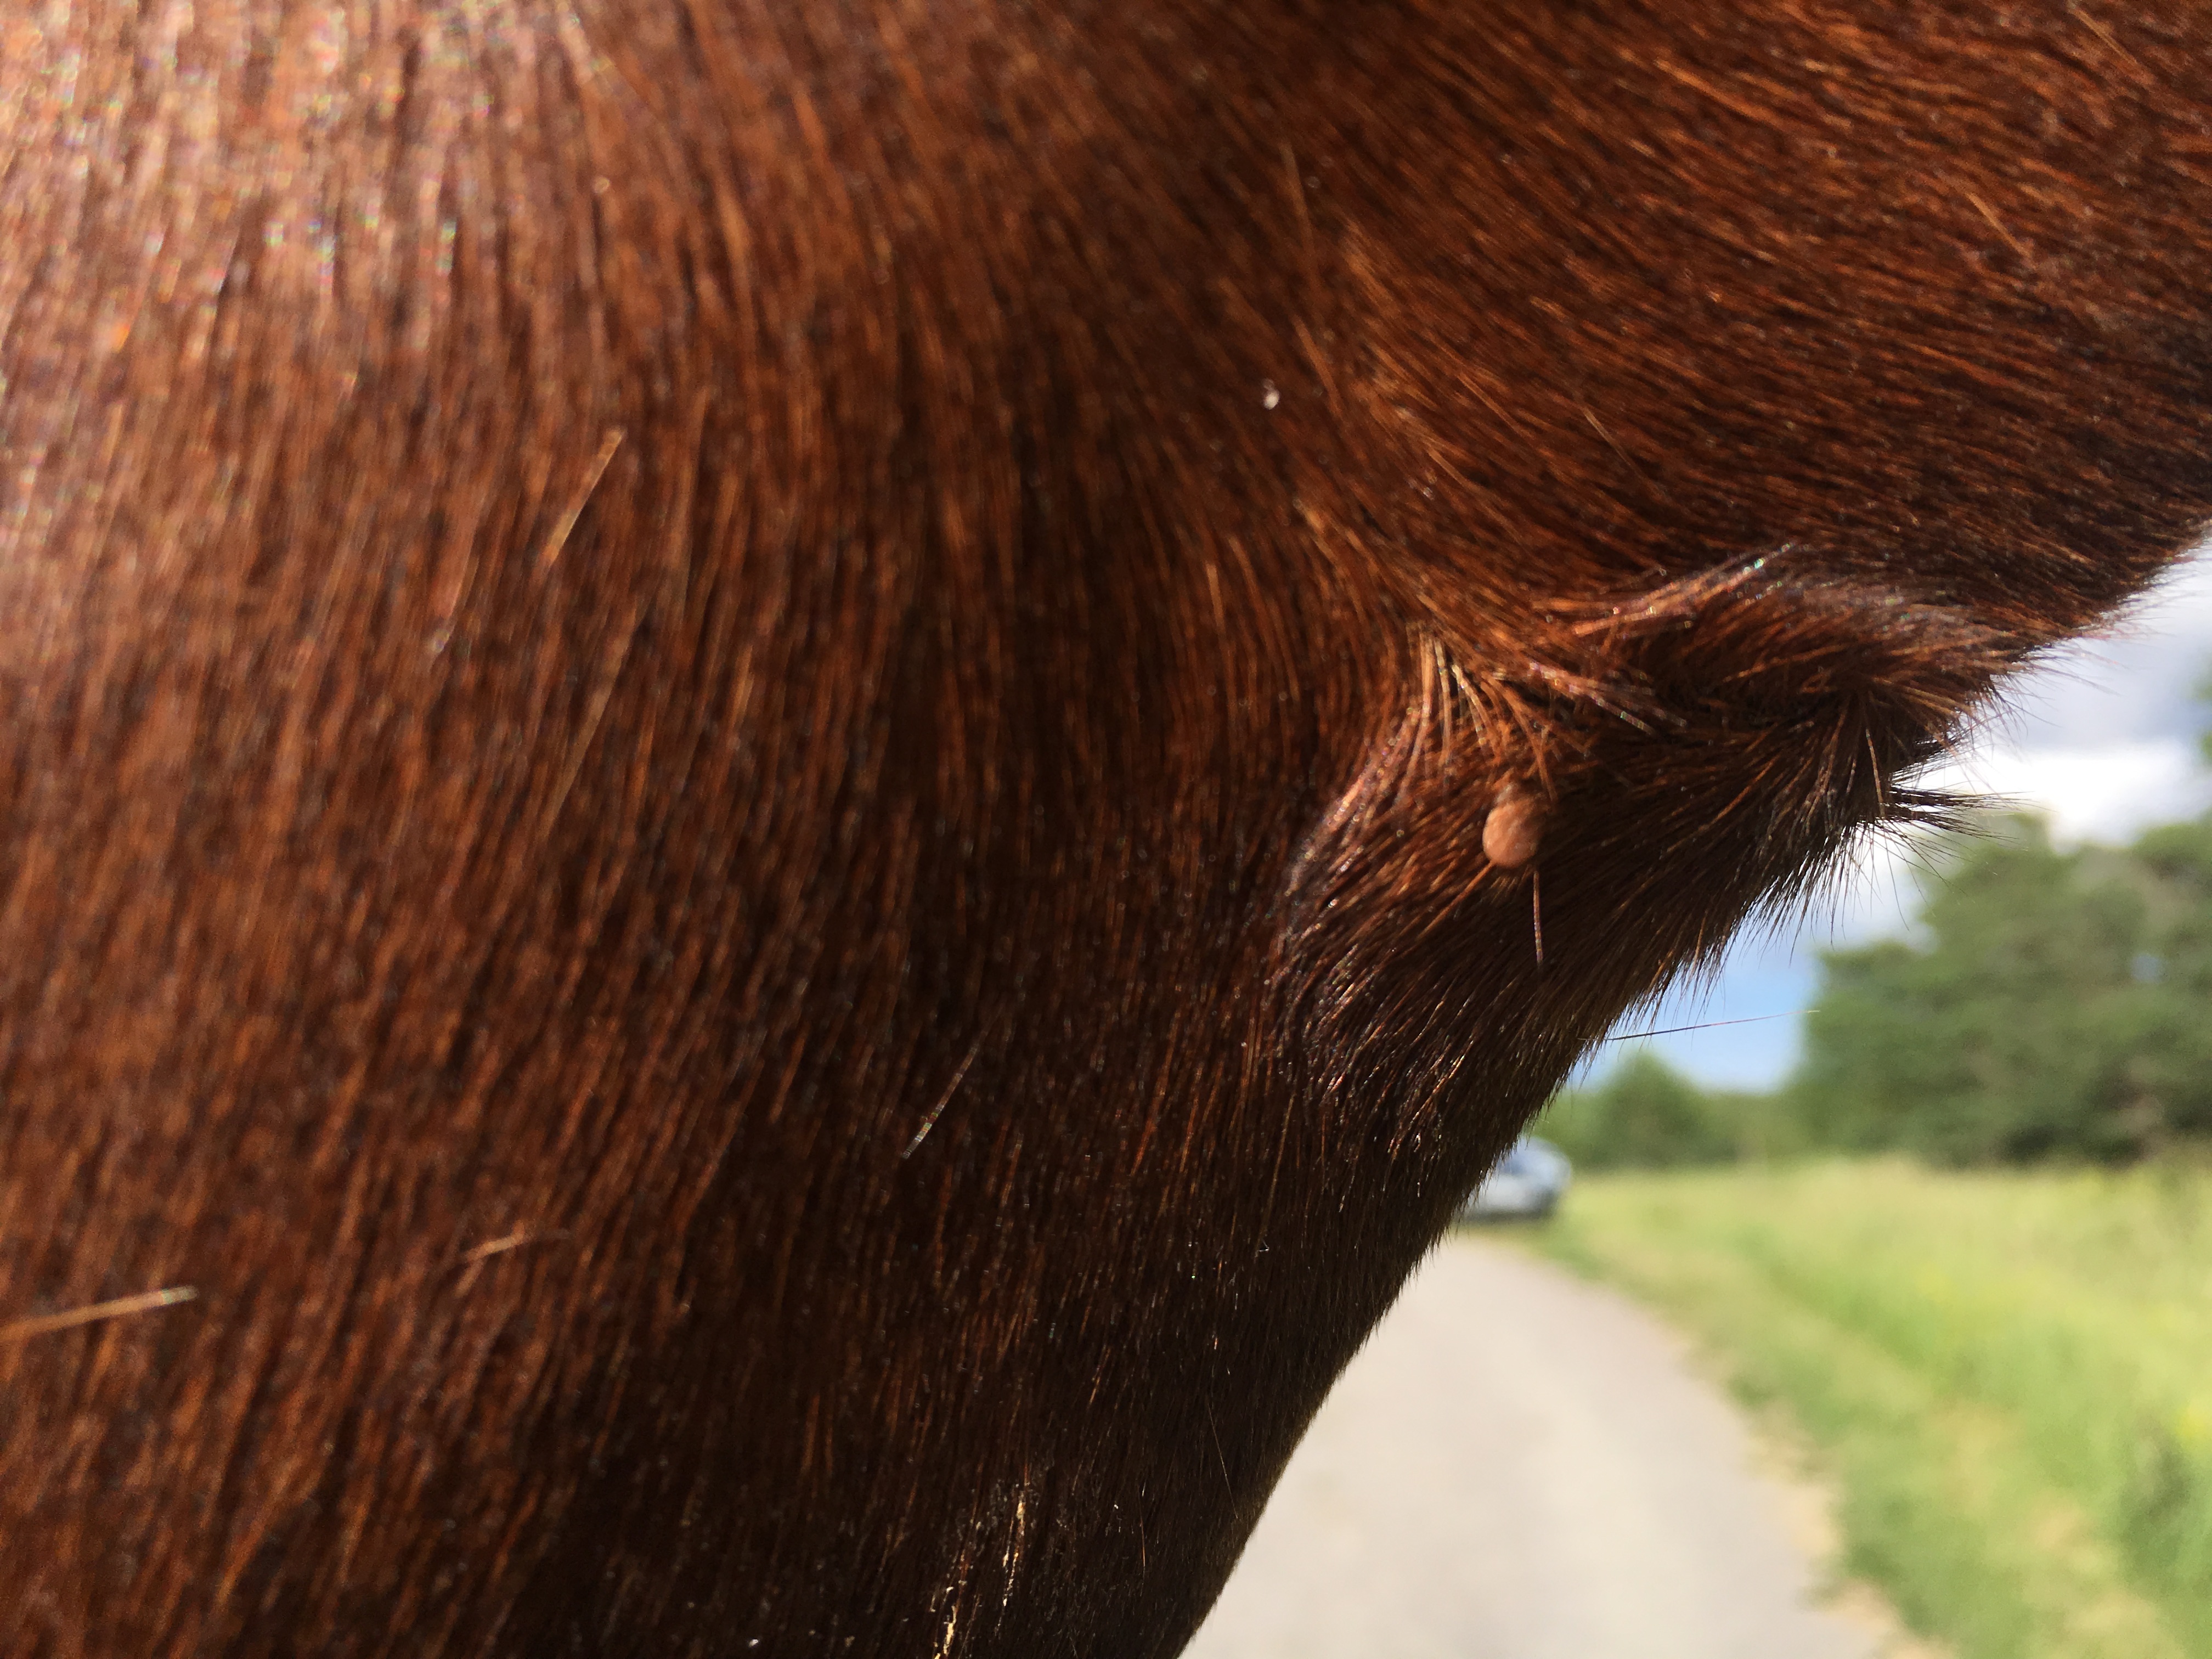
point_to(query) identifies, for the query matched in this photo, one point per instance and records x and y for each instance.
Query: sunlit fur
(744, 746)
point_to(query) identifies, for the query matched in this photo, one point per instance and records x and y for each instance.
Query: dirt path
(1519, 1466)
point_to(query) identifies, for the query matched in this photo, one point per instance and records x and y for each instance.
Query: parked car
(1525, 1183)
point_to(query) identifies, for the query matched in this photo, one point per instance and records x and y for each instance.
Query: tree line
(2052, 1003)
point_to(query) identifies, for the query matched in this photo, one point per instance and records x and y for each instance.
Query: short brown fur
(746, 746)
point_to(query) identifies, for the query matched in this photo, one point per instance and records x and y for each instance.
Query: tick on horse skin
(1514, 827)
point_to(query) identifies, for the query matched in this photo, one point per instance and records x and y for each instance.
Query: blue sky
(2102, 739)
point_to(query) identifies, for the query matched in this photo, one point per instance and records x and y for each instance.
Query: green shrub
(2060, 1005)
(1644, 1115)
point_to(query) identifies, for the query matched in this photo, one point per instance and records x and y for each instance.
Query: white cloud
(2138, 678)
(2107, 794)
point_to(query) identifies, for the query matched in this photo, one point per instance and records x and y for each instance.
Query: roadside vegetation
(2007, 1375)
(1965, 1250)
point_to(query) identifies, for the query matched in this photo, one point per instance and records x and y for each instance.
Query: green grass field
(2008, 1377)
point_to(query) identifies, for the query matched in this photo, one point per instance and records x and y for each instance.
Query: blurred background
(1874, 1316)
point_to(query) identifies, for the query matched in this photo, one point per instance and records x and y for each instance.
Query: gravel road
(1519, 1466)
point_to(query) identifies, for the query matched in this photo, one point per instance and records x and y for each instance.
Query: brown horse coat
(773, 776)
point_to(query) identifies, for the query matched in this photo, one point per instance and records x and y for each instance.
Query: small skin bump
(1514, 829)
